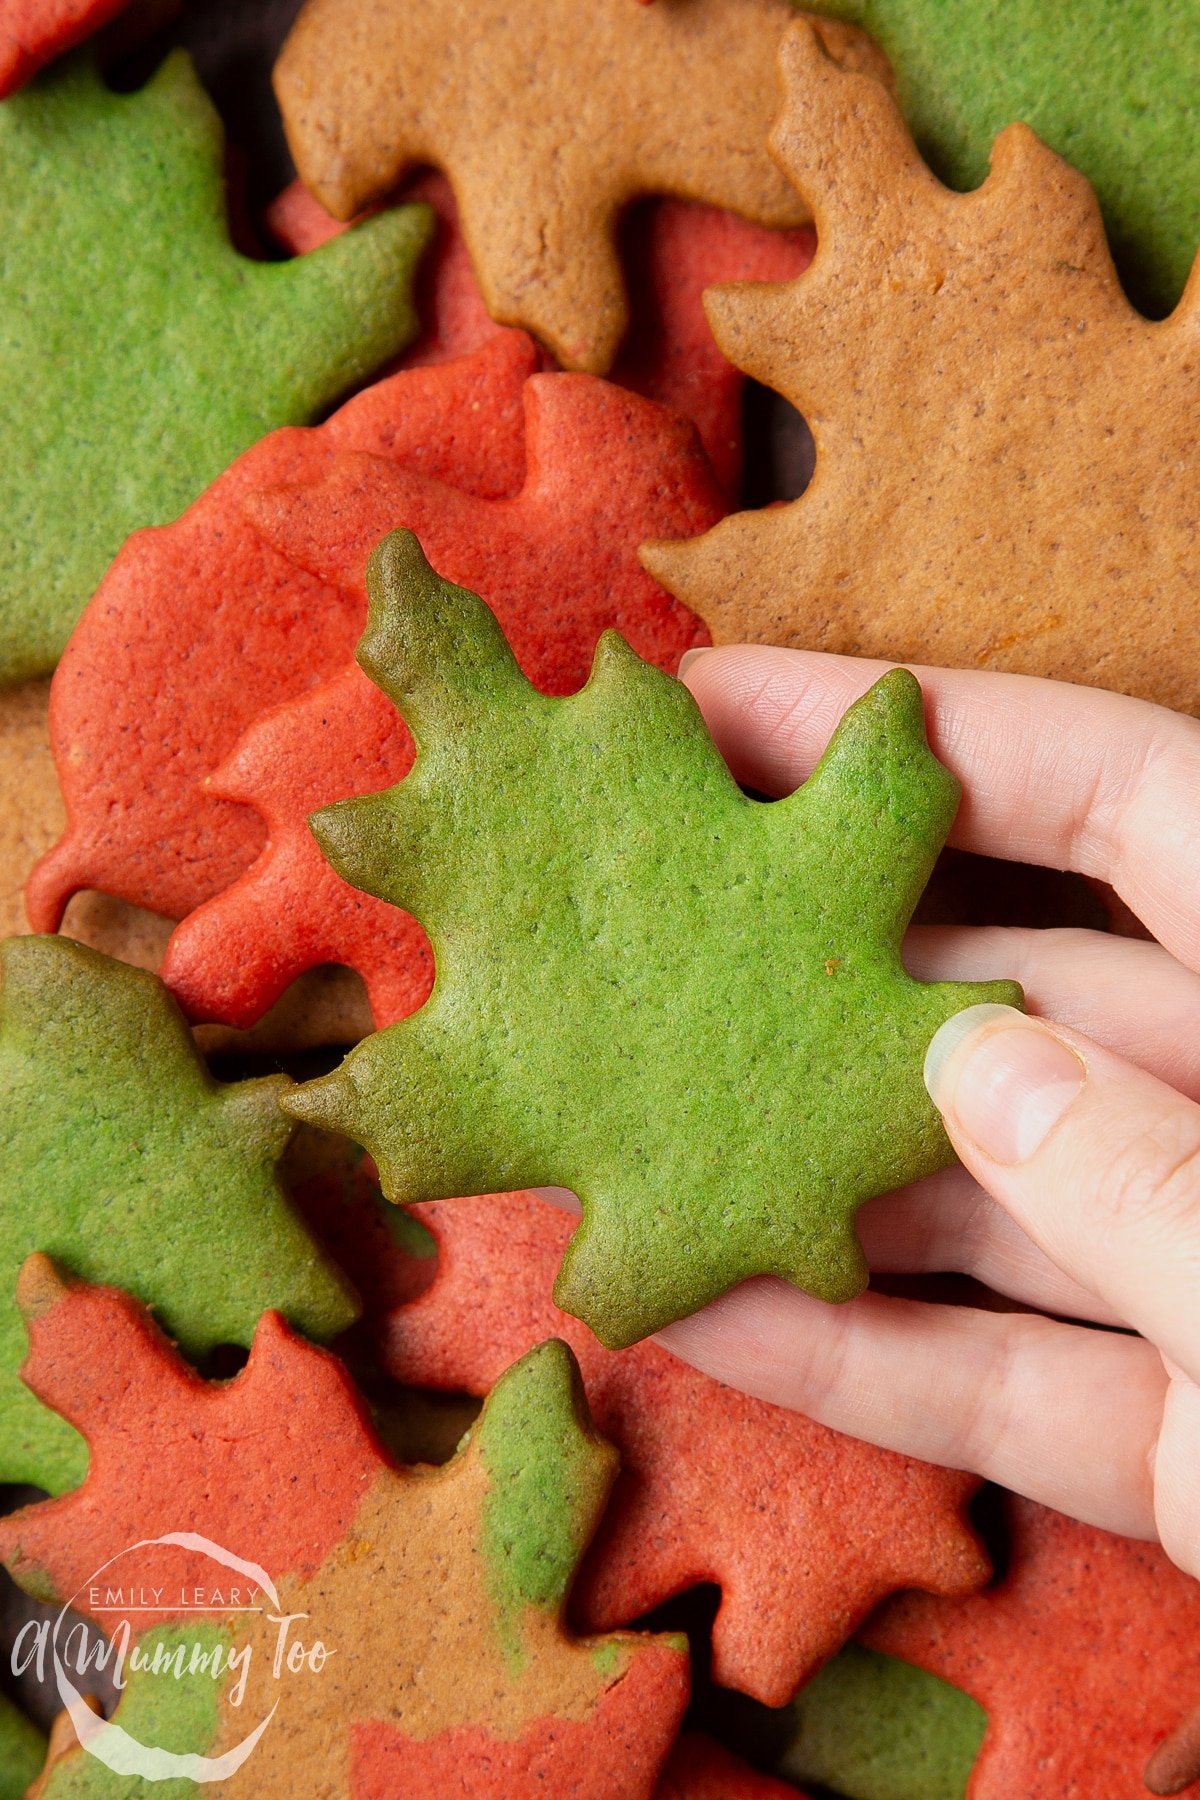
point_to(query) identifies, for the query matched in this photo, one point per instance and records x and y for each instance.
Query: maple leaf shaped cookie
(1004, 472)
(685, 1005)
(803, 1529)
(158, 684)
(139, 352)
(1111, 87)
(122, 1156)
(1085, 1655)
(557, 564)
(622, 101)
(438, 1594)
(132, 749)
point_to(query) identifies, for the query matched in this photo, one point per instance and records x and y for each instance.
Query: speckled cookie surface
(872, 1727)
(406, 1577)
(556, 562)
(671, 251)
(1113, 87)
(131, 746)
(1004, 473)
(624, 100)
(535, 490)
(803, 1529)
(686, 1005)
(1085, 1655)
(120, 1155)
(139, 352)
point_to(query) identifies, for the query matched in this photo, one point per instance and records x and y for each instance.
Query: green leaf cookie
(139, 352)
(124, 1159)
(1113, 86)
(685, 1004)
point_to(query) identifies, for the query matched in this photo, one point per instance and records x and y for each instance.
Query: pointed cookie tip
(321, 1102)
(668, 561)
(40, 1286)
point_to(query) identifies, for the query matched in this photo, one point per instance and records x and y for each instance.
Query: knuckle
(1155, 1178)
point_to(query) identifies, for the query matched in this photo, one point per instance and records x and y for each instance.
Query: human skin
(1078, 1197)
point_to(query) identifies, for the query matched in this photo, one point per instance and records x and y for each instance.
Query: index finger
(1067, 777)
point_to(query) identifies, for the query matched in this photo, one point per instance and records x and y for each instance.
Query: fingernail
(689, 657)
(1002, 1080)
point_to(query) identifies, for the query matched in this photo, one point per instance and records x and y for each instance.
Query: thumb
(1097, 1161)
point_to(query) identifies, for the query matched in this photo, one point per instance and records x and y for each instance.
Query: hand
(1079, 1193)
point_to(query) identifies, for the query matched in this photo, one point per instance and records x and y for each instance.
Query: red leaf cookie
(202, 625)
(1085, 1655)
(438, 1595)
(803, 1529)
(32, 32)
(672, 250)
(231, 958)
(558, 565)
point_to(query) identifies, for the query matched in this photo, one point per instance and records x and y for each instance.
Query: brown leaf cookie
(547, 118)
(1005, 473)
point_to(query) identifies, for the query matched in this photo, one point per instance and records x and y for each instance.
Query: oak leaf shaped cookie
(1111, 87)
(1085, 1655)
(1005, 472)
(139, 352)
(620, 101)
(233, 957)
(804, 1530)
(686, 1005)
(439, 1595)
(120, 1155)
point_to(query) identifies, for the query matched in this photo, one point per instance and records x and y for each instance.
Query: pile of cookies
(372, 887)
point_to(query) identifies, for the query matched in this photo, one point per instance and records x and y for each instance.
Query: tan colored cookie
(1005, 469)
(31, 809)
(547, 117)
